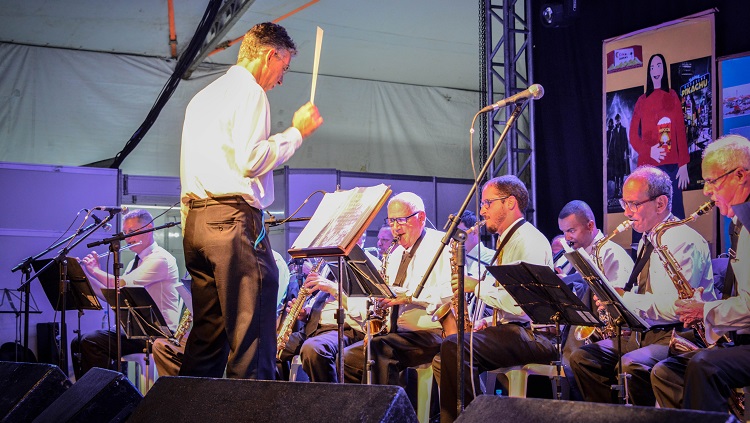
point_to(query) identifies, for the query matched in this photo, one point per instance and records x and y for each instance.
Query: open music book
(339, 221)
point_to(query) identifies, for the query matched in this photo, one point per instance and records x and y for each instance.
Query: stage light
(559, 14)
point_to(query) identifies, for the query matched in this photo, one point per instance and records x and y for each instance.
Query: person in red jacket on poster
(657, 130)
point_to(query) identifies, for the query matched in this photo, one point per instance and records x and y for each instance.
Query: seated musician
(512, 342)
(647, 200)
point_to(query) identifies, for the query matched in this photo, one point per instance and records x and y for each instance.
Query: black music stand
(142, 319)
(371, 284)
(79, 295)
(618, 311)
(546, 299)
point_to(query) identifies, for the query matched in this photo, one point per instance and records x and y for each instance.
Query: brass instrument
(677, 344)
(294, 310)
(584, 333)
(447, 313)
(377, 322)
(182, 327)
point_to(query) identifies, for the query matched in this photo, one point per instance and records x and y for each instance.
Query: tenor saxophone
(294, 310)
(377, 322)
(584, 333)
(677, 344)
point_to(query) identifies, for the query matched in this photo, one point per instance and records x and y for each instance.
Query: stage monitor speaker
(497, 409)
(100, 396)
(28, 388)
(190, 399)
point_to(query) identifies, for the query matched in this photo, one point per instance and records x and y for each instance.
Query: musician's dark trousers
(234, 288)
(494, 347)
(391, 353)
(595, 366)
(318, 352)
(701, 379)
(99, 349)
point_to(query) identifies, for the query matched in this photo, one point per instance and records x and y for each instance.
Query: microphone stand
(114, 248)
(25, 288)
(452, 225)
(63, 289)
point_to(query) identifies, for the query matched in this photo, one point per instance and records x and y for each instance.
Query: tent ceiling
(420, 42)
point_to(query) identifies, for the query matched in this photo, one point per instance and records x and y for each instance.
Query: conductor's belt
(215, 201)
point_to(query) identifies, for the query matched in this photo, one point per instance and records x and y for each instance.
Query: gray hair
(659, 183)
(733, 151)
(143, 216)
(264, 36)
(413, 201)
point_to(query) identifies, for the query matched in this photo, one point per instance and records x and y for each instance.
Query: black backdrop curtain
(567, 62)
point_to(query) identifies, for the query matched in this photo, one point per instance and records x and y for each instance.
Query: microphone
(112, 209)
(534, 92)
(98, 221)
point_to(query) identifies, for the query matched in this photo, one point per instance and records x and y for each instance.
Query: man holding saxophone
(710, 376)
(512, 342)
(413, 338)
(647, 200)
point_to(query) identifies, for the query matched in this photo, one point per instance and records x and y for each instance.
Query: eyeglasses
(712, 182)
(286, 67)
(400, 220)
(489, 201)
(635, 205)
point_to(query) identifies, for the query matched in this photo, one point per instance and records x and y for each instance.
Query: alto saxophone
(584, 333)
(447, 314)
(182, 327)
(294, 310)
(677, 344)
(377, 322)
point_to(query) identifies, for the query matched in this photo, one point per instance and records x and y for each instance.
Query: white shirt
(437, 289)
(283, 277)
(528, 245)
(616, 261)
(226, 148)
(158, 273)
(473, 266)
(733, 313)
(691, 252)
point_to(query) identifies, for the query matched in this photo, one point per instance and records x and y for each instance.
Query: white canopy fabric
(71, 107)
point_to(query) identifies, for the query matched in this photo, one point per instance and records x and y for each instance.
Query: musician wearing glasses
(153, 268)
(704, 379)
(413, 338)
(650, 291)
(512, 341)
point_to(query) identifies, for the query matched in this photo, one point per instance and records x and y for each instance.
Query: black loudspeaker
(47, 341)
(28, 388)
(189, 399)
(489, 408)
(100, 396)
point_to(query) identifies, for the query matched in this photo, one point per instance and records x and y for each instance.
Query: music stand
(371, 285)
(79, 295)
(546, 299)
(619, 313)
(142, 319)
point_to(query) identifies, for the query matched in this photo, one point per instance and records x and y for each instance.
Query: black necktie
(136, 262)
(401, 277)
(315, 311)
(730, 279)
(643, 258)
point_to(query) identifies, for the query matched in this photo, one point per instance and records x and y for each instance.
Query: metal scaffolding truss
(505, 56)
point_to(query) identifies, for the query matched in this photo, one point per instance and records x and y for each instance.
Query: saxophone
(677, 344)
(377, 322)
(447, 313)
(584, 333)
(182, 327)
(294, 310)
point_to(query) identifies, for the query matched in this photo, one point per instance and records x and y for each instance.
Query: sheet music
(340, 216)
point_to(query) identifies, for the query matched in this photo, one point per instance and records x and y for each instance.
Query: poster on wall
(735, 95)
(658, 85)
